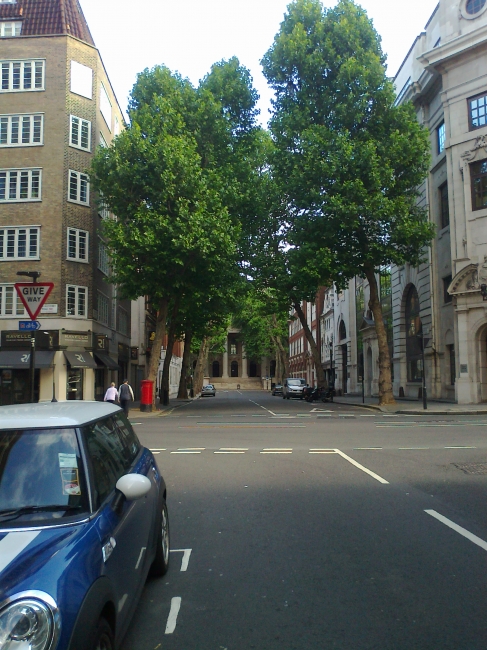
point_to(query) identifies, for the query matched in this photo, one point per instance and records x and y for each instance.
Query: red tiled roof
(43, 17)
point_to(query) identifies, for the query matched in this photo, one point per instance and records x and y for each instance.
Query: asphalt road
(309, 527)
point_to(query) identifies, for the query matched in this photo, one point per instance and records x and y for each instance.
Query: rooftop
(53, 414)
(48, 17)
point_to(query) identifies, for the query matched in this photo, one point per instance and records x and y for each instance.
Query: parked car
(209, 389)
(293, 387)
(83, 519)
(277, 390)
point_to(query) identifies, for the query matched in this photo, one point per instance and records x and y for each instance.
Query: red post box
(146, 392)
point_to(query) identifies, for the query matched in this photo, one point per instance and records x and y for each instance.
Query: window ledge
(85, 205)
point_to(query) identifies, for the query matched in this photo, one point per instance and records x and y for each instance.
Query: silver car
(209, 389)
(293, 387)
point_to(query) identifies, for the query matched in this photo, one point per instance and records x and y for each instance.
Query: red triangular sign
(33, 295)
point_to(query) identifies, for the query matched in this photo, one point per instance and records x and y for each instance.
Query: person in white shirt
(112, 394)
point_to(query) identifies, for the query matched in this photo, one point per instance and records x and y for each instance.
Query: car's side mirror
(133, 486)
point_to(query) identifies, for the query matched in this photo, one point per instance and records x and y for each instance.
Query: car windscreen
(296, 382)
(41, 476)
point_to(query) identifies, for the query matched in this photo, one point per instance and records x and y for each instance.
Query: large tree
(350, 161)
(177, 180)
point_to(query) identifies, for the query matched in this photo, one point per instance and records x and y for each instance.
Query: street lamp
(332, 372)
(424, 343)
(34, 275)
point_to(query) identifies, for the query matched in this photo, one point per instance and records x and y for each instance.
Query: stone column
(245, 373)
(225, 360)
(465, 364)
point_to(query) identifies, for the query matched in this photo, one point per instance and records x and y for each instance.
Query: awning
(80, 359)
(107, 361)
(20, 359)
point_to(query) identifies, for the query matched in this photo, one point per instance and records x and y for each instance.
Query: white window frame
(78, 291)
(81, 122)
(78, 236)
(103, 258)
(7, 291)
(103, 143)
(103, 310)
(106, 106)
(24, 173)
(21, 64)
(15, 26)
(6, 233)
(80, 178)
(9, 120)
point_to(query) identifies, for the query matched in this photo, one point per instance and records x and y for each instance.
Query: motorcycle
(314, 394)
(327, 394)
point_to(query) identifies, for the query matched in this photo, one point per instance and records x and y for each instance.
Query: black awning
(80, 359)
(107, 361)
(20, 359)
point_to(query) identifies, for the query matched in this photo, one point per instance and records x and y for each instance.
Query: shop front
(15, 376)
(106, 368)
(78, 363)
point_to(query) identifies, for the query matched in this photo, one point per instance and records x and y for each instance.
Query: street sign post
(33, 295)
(29, 325)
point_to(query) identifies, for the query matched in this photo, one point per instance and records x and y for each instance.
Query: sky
(188, 36)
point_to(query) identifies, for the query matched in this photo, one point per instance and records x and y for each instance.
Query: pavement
(402, 406)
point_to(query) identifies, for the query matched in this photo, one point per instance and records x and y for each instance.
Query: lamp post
(332, 372)
(34, 275)
(424, 343)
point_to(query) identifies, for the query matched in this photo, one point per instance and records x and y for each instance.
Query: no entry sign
(33, 295)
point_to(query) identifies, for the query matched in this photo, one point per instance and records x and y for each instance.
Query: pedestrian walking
(112, 394)
(126, 395)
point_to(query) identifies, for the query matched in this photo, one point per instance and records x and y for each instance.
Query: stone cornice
(453, 48)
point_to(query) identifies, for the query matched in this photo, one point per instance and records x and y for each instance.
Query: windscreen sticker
(68, 460)
(70, 480)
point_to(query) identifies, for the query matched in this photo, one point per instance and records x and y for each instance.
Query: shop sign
(134, 354)
(151, 337)
(102, 343)
(21, 339)
(123, 351)
(79, 339)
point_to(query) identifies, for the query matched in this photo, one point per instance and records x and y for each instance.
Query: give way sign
(33, 295)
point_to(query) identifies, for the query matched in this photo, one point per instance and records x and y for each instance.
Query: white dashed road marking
(172, 619)
(186, 555)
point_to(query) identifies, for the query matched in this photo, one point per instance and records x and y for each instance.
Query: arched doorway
(234, 369)
(342, 331)
(413, 335)
(215, 369)
(253, 369)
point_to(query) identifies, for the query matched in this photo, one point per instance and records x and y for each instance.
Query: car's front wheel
(102, 636)
(160, 564)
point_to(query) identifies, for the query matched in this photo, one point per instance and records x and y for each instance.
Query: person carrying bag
(126, 395)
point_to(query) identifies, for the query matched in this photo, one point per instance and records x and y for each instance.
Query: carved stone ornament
(480, 143)
(469, 279)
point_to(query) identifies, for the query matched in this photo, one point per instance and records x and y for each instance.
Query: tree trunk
(385, 379)
(183, 387)
(200, 364)
(171, 338)
(320, 373)
(157, 344)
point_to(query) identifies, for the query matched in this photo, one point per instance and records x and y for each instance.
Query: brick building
(56, 107)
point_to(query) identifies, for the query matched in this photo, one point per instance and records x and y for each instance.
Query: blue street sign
(29, 325)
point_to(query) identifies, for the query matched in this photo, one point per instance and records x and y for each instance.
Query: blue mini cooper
(83, 520)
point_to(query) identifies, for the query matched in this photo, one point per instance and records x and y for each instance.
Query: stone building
(56, 107)
(441, 304)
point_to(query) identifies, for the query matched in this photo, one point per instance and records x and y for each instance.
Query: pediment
(366, 324)
(469, 279)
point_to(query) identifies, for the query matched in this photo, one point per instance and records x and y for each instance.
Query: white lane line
(185, 452)
(234, 448)
(389, 416)
(364, 469)
(191, 448)
(13, 544)
(368, 416)
(229, 452)
(142, 551)
(276, 452)
(156, 452)
(158, 449)
(323, 452)
(412, 448)
(462, 531)
(459, 447)
(172, 619)
(366, 448)
(262, 407)
(186, 555)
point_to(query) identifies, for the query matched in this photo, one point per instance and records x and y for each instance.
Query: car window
(295, 382)
(108, 455)
(130, 442)
(41, 467)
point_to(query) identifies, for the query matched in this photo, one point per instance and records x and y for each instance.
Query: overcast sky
(189, 36)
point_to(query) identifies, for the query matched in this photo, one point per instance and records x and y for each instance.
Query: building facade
(56, 107)
(439, 308)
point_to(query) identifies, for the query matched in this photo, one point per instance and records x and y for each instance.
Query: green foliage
(348, 161)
